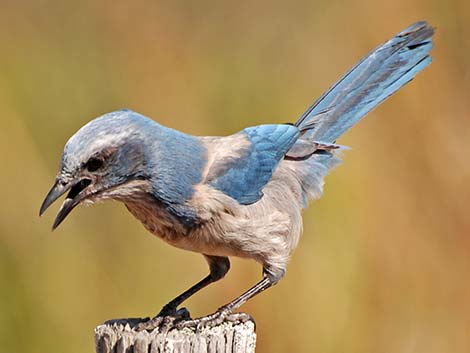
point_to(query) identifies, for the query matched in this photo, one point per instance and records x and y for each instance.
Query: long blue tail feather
(377, 76)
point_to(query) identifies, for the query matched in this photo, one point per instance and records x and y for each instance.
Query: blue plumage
(239, 195)
(378, 75)
(244, 177)
(147, 150)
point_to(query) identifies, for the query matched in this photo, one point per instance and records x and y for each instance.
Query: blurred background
(384, 259)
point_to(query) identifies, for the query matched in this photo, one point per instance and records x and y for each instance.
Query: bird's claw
(163, 321)
(179, 319)
(152, 324)
(215, 319)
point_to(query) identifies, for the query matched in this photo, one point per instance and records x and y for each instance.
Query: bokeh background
(383, 265)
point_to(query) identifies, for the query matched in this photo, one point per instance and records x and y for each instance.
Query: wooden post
(120, 336)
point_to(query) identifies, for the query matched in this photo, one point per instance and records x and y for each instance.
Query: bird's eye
(94, 164)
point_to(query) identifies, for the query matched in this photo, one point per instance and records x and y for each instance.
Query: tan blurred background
(383, 265)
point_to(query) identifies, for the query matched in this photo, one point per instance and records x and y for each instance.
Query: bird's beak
(74, 197)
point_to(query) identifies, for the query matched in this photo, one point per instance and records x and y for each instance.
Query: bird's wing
(242, 164)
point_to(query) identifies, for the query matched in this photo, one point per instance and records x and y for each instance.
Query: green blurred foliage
(383, 263)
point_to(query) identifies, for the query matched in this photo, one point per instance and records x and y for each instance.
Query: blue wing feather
(243, 178)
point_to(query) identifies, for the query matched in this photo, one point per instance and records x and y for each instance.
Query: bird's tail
(381, 73)
(378, 75)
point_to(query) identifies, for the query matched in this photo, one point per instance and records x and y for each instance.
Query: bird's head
(100, 161)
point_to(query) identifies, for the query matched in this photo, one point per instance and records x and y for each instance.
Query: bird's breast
(156, 219)
(224, 227)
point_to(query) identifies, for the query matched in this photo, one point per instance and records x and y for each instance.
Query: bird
(240, 195)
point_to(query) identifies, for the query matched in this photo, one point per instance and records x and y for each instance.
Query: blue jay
(239, 195)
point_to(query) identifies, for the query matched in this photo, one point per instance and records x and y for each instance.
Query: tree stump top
(228, 337)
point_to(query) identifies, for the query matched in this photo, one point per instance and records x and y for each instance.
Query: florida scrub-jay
(239, 195)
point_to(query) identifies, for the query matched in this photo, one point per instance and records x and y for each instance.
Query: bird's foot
(223, 314)
(165, 320)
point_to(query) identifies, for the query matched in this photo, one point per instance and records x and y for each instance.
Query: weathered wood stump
(120, 336)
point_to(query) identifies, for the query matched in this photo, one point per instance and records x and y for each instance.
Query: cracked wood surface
(228, 337)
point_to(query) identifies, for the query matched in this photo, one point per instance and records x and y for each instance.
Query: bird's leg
(218, 266)
(226, 312)
(170, 309)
